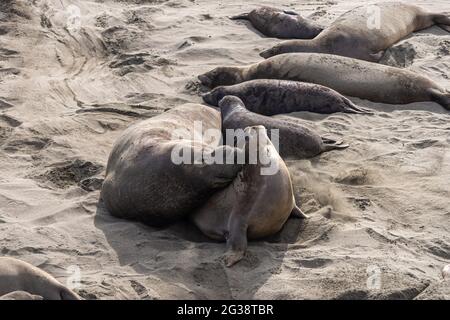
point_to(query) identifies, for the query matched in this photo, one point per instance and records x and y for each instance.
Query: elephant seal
(270, 97)
(255, 205)
(366, 31)
(294, 140)
(17, 275)
(281, 24)
(352, 77)
(145, 179)
(20, 295)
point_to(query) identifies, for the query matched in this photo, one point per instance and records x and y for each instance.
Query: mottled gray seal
(352, 77)
(294, 140)
(283, 24)
(17, 275)
(255, 205)
(270, 97)
(366, 31)
(142, 180)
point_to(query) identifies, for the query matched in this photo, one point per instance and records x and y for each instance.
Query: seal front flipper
(298, 213)
(236, 239)
(291, 12)
(242, 16)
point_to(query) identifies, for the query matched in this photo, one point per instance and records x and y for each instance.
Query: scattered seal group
(179, 165)
(235, 202)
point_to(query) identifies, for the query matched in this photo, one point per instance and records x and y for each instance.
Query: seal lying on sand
(352, 77)
(144, 182)
(281, 24)
(17, 275)
(255, 205)
(270, 97)
(294, 140)
(366, 31)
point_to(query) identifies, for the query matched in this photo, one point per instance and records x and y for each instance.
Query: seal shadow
(187, 264)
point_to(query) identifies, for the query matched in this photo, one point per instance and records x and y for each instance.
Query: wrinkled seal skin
(253, 206)
(17, 275)
(143, 183)
(281, 24)
(271, 97)
(355, 34)
(295, 140)
(352, 77)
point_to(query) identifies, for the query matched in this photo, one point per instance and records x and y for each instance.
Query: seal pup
(270, 97)
(366, 31)
(20, 295)
(257, 204)
(352, 77)
(295, 141)
(18, 275)
(283, 24)
(147, 180)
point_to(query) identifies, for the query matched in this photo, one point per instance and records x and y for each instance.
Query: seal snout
(205, 80)
(230, 101)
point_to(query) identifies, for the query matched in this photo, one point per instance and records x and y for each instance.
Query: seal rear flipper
(330, 144)
(443, 98)
(298, 213)
(443, 21)
(243, 16)
(291, 12)
(353, 108)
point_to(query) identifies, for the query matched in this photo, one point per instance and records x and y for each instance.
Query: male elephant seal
(255, 205)
(294, 140)
(366, 31)
(271, 97)
(281, 24)
(17, 275)
(352, 77)
(145, 179)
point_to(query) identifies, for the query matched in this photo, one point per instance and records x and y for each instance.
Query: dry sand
(65, 95)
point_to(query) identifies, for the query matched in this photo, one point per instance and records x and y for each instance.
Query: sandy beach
(74, 74)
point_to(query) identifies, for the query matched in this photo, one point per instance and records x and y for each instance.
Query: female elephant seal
(147, 180)
(294, 140)
(352, 77)
(270, 97)
(281, 24)
(257, 203)
(366, 31)
(17, 275)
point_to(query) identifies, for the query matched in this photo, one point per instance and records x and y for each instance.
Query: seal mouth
(205, 80)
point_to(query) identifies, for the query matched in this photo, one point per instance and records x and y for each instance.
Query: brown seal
(144, 183)
(270, 97)
(283, 24)
(17, 275)
(257, 204)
